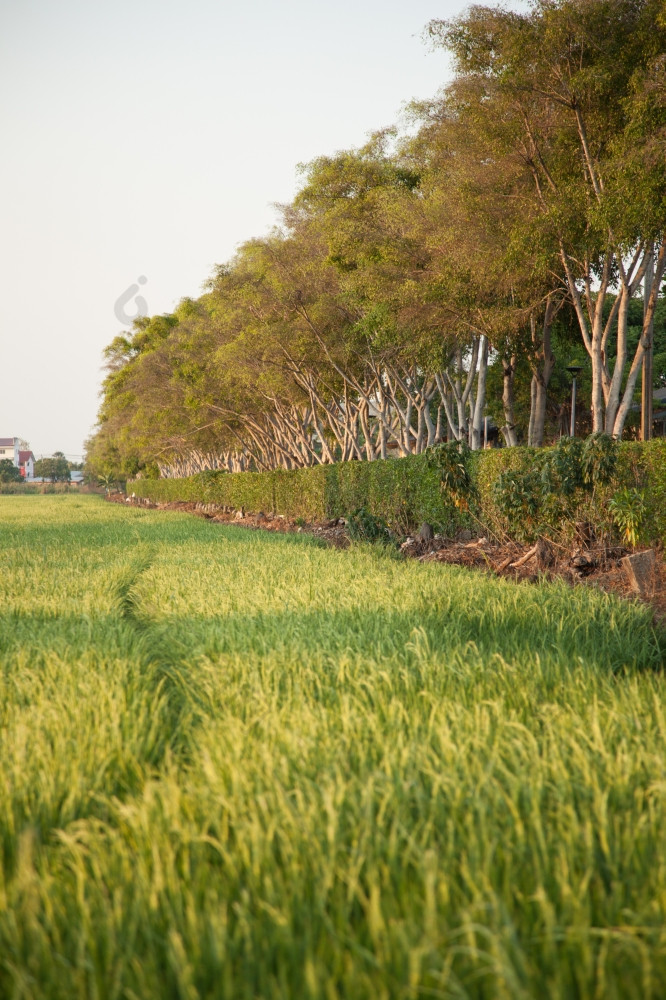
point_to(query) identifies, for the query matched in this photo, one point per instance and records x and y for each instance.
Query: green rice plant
(239, 765)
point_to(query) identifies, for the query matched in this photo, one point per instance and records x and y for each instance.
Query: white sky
(150, 138)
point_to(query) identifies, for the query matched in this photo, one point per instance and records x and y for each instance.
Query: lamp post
(573, 370)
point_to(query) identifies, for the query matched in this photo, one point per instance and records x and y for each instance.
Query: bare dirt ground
(586, 562)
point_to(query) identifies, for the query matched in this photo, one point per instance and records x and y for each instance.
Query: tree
(55, 468)
(426, 279)
(8, 472)
(584, 117)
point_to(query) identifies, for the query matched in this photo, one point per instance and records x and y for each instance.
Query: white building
(27, 464)
(19, 455)
(9, 448)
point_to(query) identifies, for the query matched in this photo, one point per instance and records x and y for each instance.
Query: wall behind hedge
(407, 491)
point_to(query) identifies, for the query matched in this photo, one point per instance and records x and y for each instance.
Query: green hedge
(407, 491)
(641, 466)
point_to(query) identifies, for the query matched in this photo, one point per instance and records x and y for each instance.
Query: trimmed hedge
(405, 492)
(642, 466)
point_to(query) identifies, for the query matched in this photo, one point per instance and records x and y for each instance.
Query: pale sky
(151, 138)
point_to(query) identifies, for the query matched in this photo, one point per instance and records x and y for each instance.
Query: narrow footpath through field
(239, 764)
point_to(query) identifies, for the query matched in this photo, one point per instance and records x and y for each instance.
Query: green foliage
(452, 462)
(8, 472)
(107, 482)
(391, 254)
(599, 459)
(210, 478)
(644, 466)
(543, 495)
(366, 527)
(408, 491)
(16, 489)
(628, 511)
(518, 495)
(235, 764)
(33, 489)
(55, 468)
(403, 492)
(562, 467)
(518, 498)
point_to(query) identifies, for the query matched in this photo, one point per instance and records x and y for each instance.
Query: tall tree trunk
(539, 426)
(543, 362)
(508, 403)
(533, 399)
(646, 385)
(648, 319)
(615, 387)
(591, 329)
(477, 417)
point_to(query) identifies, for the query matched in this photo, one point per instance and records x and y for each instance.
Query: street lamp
(573, 370)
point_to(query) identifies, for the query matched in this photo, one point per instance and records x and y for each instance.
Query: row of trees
(57, 469)
(441, 273)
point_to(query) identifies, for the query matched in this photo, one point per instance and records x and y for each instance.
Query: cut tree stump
(640, 570)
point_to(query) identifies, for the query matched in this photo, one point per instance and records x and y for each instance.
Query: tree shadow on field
(518, 632)
(167, 674)
(518, 636)
(143, 527)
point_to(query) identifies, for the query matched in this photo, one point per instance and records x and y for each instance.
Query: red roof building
(26, 464)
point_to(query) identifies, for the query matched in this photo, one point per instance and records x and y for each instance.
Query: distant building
(26, 464)
(22, 458)
(9, 448)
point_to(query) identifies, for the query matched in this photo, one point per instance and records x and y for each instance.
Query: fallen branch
(523, 559)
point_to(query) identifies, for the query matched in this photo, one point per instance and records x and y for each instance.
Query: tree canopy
(445, 273)
(55, 468)
(9, 472)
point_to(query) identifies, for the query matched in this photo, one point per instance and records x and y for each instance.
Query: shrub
(555, 488)
(628, 511)
(599, 459)
(452, 462)
(562, 467)
(518, 497)
(363, 526)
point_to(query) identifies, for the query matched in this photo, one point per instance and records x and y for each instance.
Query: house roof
(24, 456)
(7, 442)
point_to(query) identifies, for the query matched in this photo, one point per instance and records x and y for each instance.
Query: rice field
(241, 765)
